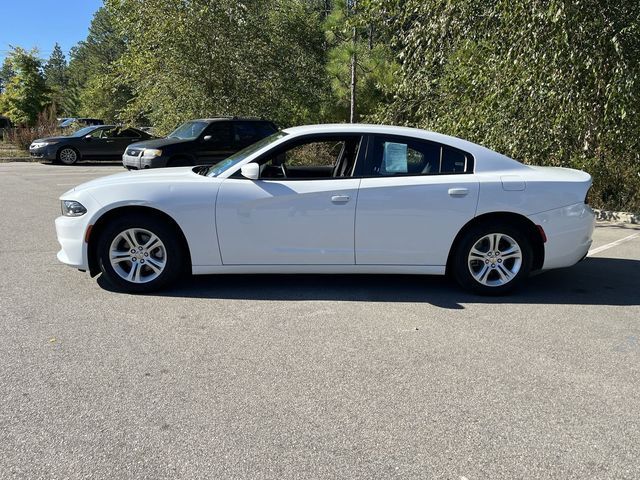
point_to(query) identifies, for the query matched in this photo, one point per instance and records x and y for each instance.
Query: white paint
(613, 244)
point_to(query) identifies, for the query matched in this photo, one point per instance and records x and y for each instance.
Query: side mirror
(87, 137)
(250, 171)
(206, 138)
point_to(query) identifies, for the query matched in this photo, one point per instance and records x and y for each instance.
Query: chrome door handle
(458, 192)
(340, 198)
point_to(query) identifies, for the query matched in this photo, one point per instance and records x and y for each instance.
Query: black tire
(173, 255)
(492, 269)
(68, 156)
(180, 162)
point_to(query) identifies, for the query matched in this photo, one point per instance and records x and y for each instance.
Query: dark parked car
(204, 141)
(104, 142)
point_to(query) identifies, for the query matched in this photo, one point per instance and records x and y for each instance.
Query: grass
(11, 153)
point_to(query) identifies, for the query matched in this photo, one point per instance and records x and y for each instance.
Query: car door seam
(215, 220)
(355, 219)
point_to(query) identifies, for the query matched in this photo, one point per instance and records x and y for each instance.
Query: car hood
(141, 177)
(53, 139)
(158, 142)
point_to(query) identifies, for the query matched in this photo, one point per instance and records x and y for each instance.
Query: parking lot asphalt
(299, 377)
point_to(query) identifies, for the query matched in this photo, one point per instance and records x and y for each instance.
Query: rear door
(414, 199)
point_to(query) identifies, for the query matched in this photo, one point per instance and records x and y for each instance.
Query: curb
(620, 217)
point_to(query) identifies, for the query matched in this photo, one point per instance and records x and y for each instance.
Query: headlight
(151, 152)
(71, 208)
(41, 144)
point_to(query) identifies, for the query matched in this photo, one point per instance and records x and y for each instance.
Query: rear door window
(393, 155)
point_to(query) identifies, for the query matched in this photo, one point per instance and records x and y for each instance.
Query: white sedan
(333, 199)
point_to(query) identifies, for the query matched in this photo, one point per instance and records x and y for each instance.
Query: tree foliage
(354, 34)
(26, 94)
(202, 58)
(545, 82)
(56, 78)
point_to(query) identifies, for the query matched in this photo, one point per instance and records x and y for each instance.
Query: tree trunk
(352, 111)
(354, 60)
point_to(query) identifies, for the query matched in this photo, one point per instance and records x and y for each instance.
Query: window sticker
(394, 159)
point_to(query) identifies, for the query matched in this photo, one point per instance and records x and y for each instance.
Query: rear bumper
(568, 230)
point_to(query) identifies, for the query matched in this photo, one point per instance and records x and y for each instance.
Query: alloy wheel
(138, 255)
(68, 156)
(495, 259)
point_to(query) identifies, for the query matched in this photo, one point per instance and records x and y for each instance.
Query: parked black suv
(198, 142)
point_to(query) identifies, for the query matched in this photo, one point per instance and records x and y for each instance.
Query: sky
(42, 23)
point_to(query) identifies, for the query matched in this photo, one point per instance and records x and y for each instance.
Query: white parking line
(612, 244)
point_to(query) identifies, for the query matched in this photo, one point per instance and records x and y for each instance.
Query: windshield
(189, 130)
(83, 131)
(238, 157)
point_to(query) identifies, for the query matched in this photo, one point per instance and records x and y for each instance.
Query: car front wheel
(138, 254)
(492, 259)
(68, 156)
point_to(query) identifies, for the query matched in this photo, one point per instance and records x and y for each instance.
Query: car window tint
(264, 129)
(403, 156)
(128, 133)
(453, 161)
(245, 132)
(221, 135)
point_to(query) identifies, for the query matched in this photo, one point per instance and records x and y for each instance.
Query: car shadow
(594, 281)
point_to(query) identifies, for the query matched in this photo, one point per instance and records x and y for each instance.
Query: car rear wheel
(138, 254)
(67, 155)
(492, 259)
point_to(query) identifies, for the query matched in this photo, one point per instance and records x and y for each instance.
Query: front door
(300, 212)
(286, 222)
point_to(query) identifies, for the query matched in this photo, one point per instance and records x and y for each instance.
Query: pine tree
(55, 73)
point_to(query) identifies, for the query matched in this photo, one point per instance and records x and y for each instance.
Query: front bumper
(139, 162)
(46, 153)
(71, 233)
(568, 230)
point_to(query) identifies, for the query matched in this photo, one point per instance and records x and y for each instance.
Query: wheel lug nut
(140, 248)
(133, 250)
(499, 260)
(142, 260)
(487, 262)
(133, 259)
(146, 254)
(493, 265)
